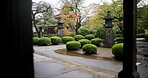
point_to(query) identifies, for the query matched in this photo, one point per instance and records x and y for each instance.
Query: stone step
(142, 48)
(142, 43)
(143, 53)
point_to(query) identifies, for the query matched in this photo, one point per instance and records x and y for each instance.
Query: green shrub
(89, 49)
(89, 36)
(140, 35)
(116, 30)
(84, 41)
(73, 45)
(100, 32)
(146, 37)
(78, 37)
(45, 35)
(96, 41)
(119, 31)
(65, 39)
(93, 31)
(44, 41)
(55, 40)
(35, 40)
(117, 50)
(35, 35)
(118, 35)
(53, 35)
(83, 31)
(140, 28)
(119, 39)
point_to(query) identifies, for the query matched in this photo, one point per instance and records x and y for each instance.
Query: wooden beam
(129, 63)
(19, 49)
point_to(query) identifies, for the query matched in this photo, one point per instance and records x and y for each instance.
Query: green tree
(145, 19)
(116, 9)
(142, 17)
(41, 14)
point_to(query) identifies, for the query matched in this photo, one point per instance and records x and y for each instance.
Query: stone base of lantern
(108, 40)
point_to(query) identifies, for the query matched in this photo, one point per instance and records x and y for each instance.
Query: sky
(56, 3)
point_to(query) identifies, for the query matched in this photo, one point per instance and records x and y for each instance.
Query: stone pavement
(106, 66)
(46, 67)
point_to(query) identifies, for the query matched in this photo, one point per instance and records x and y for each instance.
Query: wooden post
(129, 62)
(18, 41)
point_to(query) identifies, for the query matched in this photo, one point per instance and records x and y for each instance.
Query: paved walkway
(49, 64)
(46, 67)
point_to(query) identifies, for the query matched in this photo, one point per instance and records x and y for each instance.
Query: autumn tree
(73, 13)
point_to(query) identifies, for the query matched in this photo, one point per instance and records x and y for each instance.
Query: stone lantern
(60, 26)
(108, 40)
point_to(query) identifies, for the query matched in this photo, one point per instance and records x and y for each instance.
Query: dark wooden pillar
(129, 62)
(18, 39)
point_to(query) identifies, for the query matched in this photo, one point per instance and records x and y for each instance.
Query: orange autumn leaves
(70, 17)
(66, 31)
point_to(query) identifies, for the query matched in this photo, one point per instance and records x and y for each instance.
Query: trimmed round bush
(53, 35)
(45, 35)
(89, 49)
(140, 35)
(96, 41)
(66, 39)
(84, 41)
(44, 41)
(89, 36)
(55, 40)
(93, 31)
(35, 40)
(73, 45)
(117, 50)
(83, 31)
(78, 37)
(119, 39)
(118, 35)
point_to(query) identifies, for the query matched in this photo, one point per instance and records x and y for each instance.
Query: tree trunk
(40, 34)
(34, 24)
(76, 31)
(78, 25)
